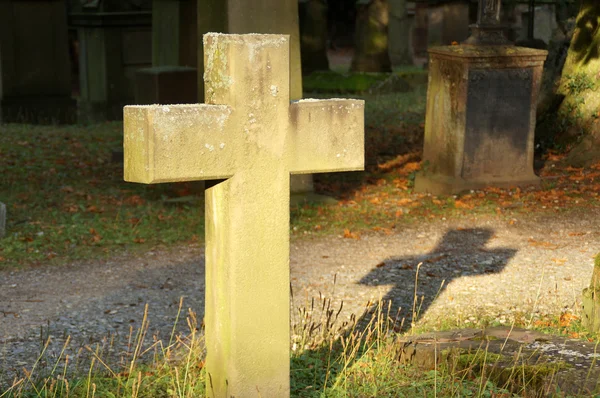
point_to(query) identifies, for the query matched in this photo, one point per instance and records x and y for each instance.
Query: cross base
(488, 35)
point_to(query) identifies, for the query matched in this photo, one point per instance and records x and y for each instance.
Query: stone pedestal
(112, 47)
(173, 76)
(35, 77)
(313, 35)
(166, 85)
(480, 118)
(447, 22)
(2, 220)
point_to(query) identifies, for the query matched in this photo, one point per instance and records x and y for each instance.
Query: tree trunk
(371, 43)
(580, 86)
(399, 33)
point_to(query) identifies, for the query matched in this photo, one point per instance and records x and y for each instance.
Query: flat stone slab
(517, 359)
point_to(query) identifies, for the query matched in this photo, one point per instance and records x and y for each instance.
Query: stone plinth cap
(492, 51)
(491, 56)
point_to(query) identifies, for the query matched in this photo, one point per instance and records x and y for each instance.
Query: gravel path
(489, 268)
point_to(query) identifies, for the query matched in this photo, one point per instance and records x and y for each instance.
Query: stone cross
(250, 135)
(488, 30)
(489, 12)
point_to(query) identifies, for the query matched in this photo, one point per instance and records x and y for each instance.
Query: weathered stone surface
(254, 141)
(480, 118)
(35, 78)
(2, 220)
(522, 361)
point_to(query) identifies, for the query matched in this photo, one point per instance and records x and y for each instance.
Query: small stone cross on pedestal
(488, 29)
(253, 141)
(489, 12)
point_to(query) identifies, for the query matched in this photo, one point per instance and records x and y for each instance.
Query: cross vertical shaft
(249, 134)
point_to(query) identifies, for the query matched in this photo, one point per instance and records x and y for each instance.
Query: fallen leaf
(459, 204)
(545, 245)
(566, 319)
(139, 240)
(350, 235)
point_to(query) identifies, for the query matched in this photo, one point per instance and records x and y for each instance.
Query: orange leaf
(459, 204)
(546, 245)
(350, 235)
(139, 240)
(566, 319)
(135, 200)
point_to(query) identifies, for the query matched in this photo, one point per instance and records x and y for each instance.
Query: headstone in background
(448, 22)
(249, 134)
(35, 77)
(313, 35)
(419, 34)
(172, 79)
(544, 23)
(481, 111)
(399, 33)
(2, 220)
(115, 40)
(371, 37)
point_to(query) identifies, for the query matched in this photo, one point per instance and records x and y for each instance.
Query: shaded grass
(357, 82)
(329, 358)
(66, 198)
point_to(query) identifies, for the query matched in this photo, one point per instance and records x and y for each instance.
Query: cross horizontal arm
(326, 136)
(167, 143)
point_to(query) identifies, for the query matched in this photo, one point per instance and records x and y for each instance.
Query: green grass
(357, 82)
(329, 358)
(66, 199)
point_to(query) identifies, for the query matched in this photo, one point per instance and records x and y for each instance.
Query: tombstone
(2, 220)
(447, 22)
(251, 136)
(371, 37)
(35, 77)
(544, 24)
(115, 40)
(399, 28)
(313, 35)
(261, 16)
(481, 111)
(419, 33)
(172, 79)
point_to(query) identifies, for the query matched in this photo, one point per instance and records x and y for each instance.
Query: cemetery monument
(481, 111)
(172, 79)
(115, 40)
(2, 220)
(249, 135)
(35, 75)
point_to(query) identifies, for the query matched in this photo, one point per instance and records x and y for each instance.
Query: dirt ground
(472, 269)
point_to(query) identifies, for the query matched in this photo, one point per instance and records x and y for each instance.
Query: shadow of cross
(459, 253)
(254, 139)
